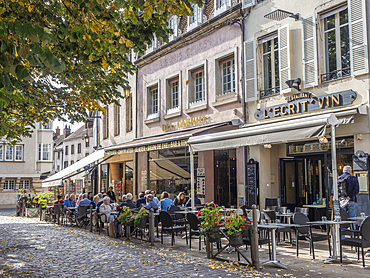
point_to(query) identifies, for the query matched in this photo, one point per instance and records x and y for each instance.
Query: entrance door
(225, 178)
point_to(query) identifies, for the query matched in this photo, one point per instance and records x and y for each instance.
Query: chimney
(67, 131)
(57, 131)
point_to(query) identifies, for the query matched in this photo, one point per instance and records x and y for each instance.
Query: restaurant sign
(305, 102)
(148, 148)
(184, 123)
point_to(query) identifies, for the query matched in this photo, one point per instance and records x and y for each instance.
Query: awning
(163, 141)
(57, 178)
(275, 132)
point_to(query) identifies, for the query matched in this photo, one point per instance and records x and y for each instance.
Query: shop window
(196, 87)
(25, 184)
(336, 46)
(18, 153)
(117, 119)
(79, 148)
(9, 185)
(270, 67)
(173, 25)
(66, 150)
(9, 153)
(44, 152)
(153, 103)
(72, 149)
(106, 123)
(173, 95)
(129, 113)
(196, 18)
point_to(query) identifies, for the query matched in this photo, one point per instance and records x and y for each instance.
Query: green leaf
(21, 72)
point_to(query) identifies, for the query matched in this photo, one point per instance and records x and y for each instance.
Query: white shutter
(284, 58)
(358, 37)
(309, 52)
(248, 3)
(175, 27)
(250, 70)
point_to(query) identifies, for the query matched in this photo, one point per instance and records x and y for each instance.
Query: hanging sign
(305, 102)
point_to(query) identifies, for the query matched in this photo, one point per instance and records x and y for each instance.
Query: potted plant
(211, 220)
(140, 218)
(234, 225)
(125, 217)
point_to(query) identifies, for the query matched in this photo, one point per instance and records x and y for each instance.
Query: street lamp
(86, 137)
(126, 90)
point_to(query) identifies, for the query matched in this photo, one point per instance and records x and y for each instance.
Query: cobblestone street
(33, 249)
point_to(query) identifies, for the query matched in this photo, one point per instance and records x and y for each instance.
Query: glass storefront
(169, 170)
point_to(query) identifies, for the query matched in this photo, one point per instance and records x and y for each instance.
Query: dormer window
(172, 24)
(153, 45)
(221, 6)
(196, 18)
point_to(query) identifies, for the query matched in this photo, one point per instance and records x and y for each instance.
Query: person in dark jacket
(141, 201)
(111, 194)
(128, 203)
(352, 189)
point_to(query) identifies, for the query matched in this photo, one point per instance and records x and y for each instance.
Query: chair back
(301, 219)
(193, 221)
(301, 210)
(57, 209)
(365, 228)
(250, 215)
(172, 209)
(166, 219)
(344, 216)
(82, 211)
(244, 209)
(270, 214)
(271, 202)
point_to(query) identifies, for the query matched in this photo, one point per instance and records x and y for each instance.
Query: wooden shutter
(250, 70)
(248, 3)
(284, 58)
(309, 52)
(358, 37)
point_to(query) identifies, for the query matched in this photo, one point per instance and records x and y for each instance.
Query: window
(117, 119)
(44, 152)
(72, 149)
(153, 45)
(79, 147)
(129, 113)
(72, 162)
(9, 185)
(86, 154)
(106, 123)
(1, 152)
(337, 47)
(196, 18)
(172, 24)
(47, 126)
(9, 152)
(18, 153)
(221, 6)
(66, 150)
(87, 143)
(58, 168)
(65, 164)
(196, 87)
(227, 76)
(270, 65)
(58, 155)
(153, 111)
(25, 184)
(173, 93)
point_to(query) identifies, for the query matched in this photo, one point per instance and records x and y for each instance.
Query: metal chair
(305, 232)
(363, 241)
(194, 223)
(103, 219)
(58, 213)
(168, 226)
(271, 202)
(82, 215)
(271, 216)
(178, 219)
(301, 210)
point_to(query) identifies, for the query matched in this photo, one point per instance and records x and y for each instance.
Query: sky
(61, 125)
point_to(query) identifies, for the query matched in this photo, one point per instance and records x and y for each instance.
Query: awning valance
(57, 178)
(275, 132)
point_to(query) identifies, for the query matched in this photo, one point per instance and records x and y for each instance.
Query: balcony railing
(270, 92)
(335, 74)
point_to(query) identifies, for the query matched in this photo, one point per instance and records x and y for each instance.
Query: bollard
(91, 218)
(208, 247)
(40, 211)
(254, 239)
(151, 227)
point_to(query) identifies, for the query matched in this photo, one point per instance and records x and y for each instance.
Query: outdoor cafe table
(288, 217)
(331, 225)
(273, 227)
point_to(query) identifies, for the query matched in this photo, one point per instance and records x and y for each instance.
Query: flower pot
(214, 235)
(142, 223)
(129, 223)
(236, 239)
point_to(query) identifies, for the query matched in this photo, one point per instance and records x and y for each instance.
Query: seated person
(155, 197)
(84, 202)
(151, 203)
(58, 201)
(180, 199)
(106, 209)
(95, 201)
(165, 201)
(128, 203)
(69, 203)
(141, 201)
(197, 201)
(101, 200)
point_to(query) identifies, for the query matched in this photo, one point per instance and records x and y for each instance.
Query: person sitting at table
(128, 203)
(79, 199)
(105, 209)
(151, 203)
(68, 204)
(165, 201)
(58, 201)
(101, 200)
(196, 201)
(95, 201)
(180, 199)
(66, 197)
(155, 197)
(90, 196)
(84, 202)
(100, 196)
(141, 201)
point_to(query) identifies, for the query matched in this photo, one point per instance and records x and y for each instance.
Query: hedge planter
(236, 239)
(32, 212)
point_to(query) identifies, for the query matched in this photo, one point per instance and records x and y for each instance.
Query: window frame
(66, 150)
(65, 164)
(22, 184)
(22, 153)
(226, 4)
(192, 104)
(106, 123)
(72, 149)
(150, 115)
(2, 150)
(41, 152)
(173, 23)
(129, 113)
(49, 126)
(117, 119)
(79, 146)
(6, 184)
(12, 153)
(170, 82)
(198, 17)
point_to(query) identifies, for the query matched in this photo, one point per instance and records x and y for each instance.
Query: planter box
(32, 212)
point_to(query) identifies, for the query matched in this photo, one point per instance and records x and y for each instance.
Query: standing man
(111, 194)
(352, 189)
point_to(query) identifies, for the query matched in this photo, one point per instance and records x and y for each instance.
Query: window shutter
(248, 3)
(309, 52)
(358, 37)
(175, 26)
(250, 70)
(284, 58)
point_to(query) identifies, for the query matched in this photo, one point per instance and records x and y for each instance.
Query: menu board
(252, 184)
